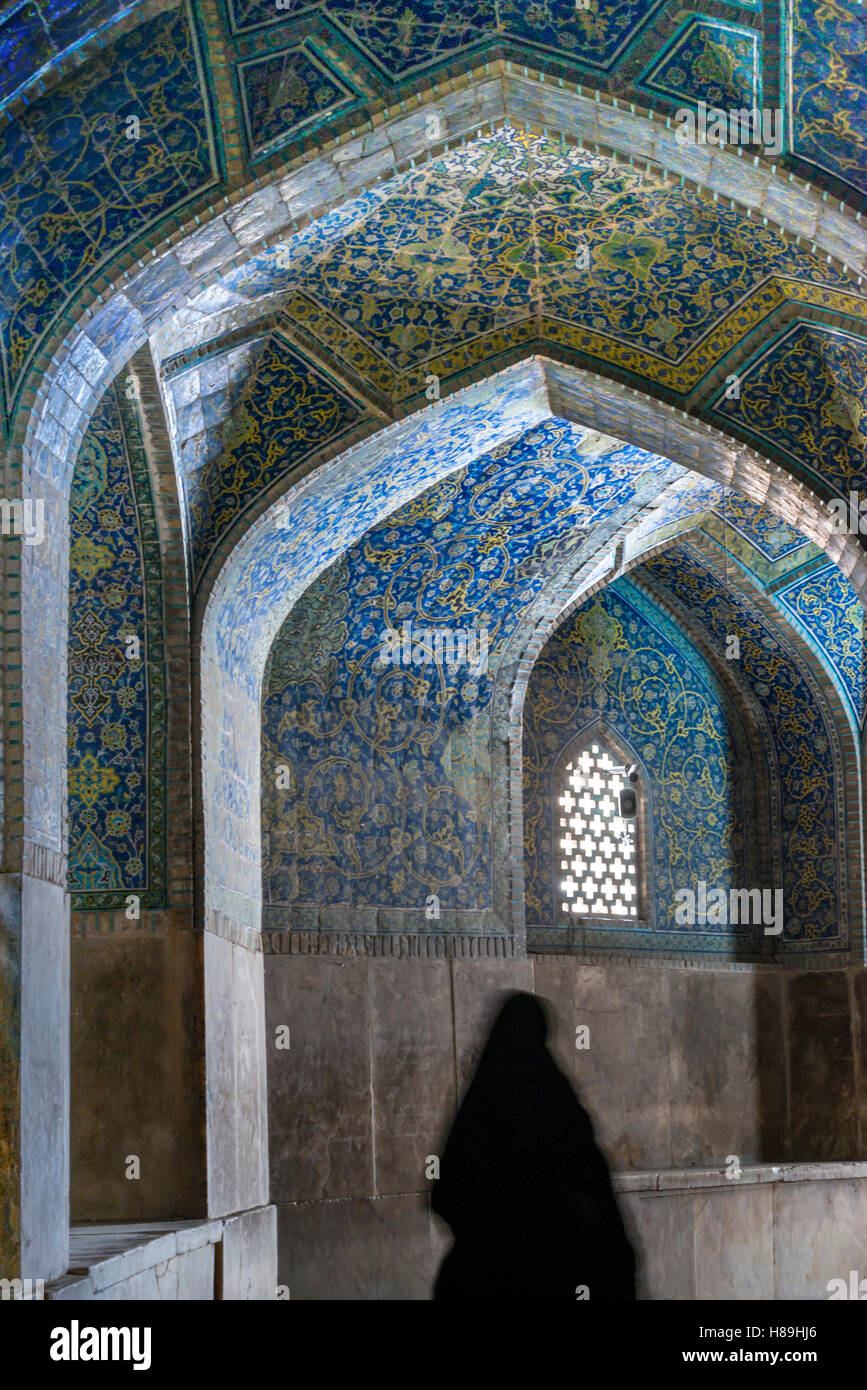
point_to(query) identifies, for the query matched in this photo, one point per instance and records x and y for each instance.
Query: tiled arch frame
(55, 407)
(844, 741)
(747, 726)
(104, 326)
(576, 583)
(845, 752)
(229, 732)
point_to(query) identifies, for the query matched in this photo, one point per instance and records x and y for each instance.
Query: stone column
(34, 909)
(237, 1140)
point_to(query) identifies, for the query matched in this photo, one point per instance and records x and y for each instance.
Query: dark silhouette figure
(522, 1183)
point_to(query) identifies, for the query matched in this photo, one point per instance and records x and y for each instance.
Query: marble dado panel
(684, 1068)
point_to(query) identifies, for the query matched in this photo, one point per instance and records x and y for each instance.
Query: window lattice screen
(597, 845)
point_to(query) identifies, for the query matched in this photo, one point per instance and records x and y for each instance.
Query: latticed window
(598, 854)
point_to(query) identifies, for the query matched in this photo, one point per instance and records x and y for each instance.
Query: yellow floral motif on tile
(89, 781)
(88, 558)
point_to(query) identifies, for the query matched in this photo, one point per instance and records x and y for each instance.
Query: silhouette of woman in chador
(522, 1183)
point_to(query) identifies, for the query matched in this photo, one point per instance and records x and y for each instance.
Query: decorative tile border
(402, 945)
(152, 892)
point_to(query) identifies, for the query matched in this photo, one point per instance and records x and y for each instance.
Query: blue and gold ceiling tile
(106, 188)
(253, 14)
(829, 87)
(286, 412)
(463, 247)
(285, 91)
(766, 531)
(398, 35)
(708, 60)
(596, 36)
(806, 394)
(826, 605)
(27, 293)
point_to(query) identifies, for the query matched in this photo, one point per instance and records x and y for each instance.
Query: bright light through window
(597, 846)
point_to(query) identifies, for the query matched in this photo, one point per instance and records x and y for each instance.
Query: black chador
(523, 1185)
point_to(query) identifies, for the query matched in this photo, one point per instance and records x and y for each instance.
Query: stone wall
(779, 1232)
(136, 1085)
(685, 1067)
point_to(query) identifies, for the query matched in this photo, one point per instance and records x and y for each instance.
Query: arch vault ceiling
(223, 92)
(298, 65)
(510, 245)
